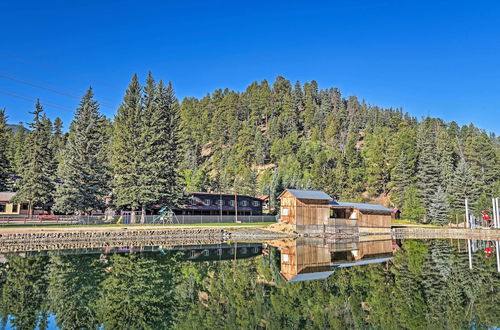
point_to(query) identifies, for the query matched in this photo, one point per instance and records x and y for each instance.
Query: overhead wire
(49, 89)
(33, 100)
(53, 68)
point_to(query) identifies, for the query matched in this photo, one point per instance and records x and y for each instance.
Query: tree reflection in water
(427, 284)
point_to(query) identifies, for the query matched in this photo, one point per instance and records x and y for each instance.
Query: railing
(102, 219)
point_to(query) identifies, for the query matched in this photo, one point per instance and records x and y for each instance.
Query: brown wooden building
(301, 208)
(361, 215)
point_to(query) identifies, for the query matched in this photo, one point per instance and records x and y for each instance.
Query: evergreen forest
(259, 141)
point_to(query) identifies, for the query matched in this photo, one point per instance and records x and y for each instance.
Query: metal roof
(361, 206)
(308, 194)
(311, 276)
(5, 196)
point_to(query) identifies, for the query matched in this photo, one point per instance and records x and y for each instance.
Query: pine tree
(464, 186)
(4, 161)
(412, 205)
(83, 170)
(37, 176)
(159, 180)
(127, 149)
(439, 211)
(402, 175)
(377, 166)
(428, 171)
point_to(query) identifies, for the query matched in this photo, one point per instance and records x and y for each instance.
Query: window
(219, 202)
(255, 203)
(206, 252)
(14, 208)
(3, 207)
(285, 212)
(244, 250)
(24, 206)
(219, 252)
(193, 201)
(207, 202)
(244, 203)
(231, 203)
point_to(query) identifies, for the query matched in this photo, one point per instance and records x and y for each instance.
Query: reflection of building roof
(5, 196)
(308, 194)
(361, 206)
(311, 276)
(362, 262)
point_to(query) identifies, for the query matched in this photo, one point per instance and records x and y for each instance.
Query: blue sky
(437, 58)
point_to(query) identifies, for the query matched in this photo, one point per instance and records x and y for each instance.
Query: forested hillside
(257, 142)
(272, 137)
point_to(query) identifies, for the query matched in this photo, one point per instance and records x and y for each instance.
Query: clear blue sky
(437, 58)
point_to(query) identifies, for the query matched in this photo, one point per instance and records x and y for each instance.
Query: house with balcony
(205, 203)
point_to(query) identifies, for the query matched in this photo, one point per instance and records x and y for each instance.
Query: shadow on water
(302, 283)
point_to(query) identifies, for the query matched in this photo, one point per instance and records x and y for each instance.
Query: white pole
(470, 253)
(497, 243)
(498, 213)
(467, 224)
(494, 212)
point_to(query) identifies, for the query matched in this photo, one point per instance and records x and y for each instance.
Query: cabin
(205, 203)
(305, 209)
(371, 218)
(8, 208)
(314, 212)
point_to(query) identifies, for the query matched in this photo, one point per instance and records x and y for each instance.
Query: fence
(101, 219)
(201, 219)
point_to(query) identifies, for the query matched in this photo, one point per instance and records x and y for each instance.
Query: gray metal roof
(5, 196)
(361, 206)
(311, 276)
(310, 194)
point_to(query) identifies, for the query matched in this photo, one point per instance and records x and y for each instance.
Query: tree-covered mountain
(270, 137)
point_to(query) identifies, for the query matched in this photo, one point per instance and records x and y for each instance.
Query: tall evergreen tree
(159, 180)
(4, 161)
(464, 186)
(439, 211)
(412, 205)
(127, 149)
(428, 170)
(37, 176)
(83, 170)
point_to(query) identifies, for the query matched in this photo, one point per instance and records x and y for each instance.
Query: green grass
(413, 222)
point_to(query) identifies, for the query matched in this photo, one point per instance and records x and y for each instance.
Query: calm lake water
(305, 284)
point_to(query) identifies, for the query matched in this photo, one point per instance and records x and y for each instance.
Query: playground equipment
(166, 215)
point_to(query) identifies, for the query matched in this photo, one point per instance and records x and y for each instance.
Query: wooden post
(456, 217)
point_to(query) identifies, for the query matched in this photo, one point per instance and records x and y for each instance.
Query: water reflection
(380, 283)
(314, 259)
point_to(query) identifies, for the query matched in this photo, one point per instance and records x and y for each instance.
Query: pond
(288, 284)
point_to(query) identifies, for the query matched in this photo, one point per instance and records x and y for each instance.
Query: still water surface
(304, 284)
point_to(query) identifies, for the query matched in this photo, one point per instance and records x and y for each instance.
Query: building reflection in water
(314, 259)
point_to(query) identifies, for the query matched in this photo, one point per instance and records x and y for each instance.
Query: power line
(53, 68)
(52, 90)
(48, 104)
